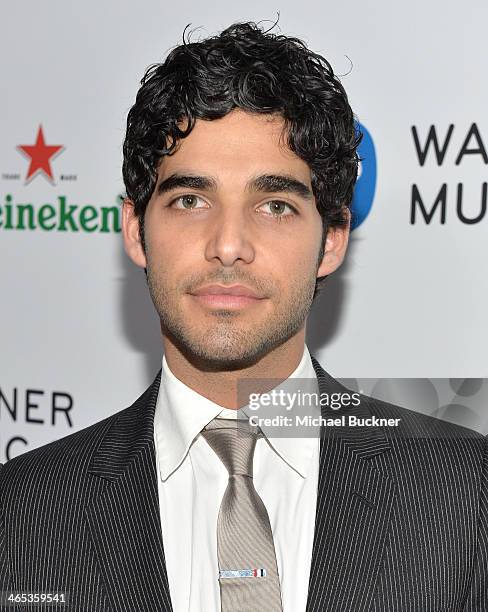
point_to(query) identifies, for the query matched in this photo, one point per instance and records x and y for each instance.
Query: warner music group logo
(60, 214)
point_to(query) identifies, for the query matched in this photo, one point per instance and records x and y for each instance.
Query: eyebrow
(264, 183)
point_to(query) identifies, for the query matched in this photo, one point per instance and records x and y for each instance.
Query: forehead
(240, 144)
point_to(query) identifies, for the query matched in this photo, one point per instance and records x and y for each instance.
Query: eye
(277, 207)
(188, 200)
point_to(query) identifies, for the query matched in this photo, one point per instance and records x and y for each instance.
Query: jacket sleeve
(4, 570)
(477, 598)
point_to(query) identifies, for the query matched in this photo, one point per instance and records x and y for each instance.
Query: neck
(221, 386)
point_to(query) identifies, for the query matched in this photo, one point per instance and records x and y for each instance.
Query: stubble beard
(229, 339)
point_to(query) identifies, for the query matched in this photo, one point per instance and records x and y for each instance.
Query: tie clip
(257, 572)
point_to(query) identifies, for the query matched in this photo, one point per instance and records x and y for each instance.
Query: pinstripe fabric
(402, 515)
(81, 515)
(401, 519)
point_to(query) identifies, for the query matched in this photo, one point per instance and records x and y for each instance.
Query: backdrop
(79, 337)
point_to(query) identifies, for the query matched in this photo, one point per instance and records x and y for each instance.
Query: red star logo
(40, 155)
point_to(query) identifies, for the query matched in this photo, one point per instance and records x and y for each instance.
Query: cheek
(294, 270)
(301, 256)
(160, 259)
(161, 242)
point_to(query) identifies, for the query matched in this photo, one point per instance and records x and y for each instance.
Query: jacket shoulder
(415, 424)
(425, 446)
(74, 451)
(68, 455)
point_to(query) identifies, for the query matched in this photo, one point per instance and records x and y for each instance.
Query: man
(239, 163)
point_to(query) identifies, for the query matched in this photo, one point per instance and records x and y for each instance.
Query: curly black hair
(257, 71)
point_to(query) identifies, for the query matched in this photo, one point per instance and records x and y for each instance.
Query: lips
(236, 290)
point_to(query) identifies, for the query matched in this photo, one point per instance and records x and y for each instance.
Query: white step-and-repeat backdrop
(79, 337)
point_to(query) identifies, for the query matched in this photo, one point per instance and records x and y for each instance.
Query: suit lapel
(354, 502)
(124, 519)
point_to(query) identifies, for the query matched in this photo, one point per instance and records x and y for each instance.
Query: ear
(335, 247)
(130, 232)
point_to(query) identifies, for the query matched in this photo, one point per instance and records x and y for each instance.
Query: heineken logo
(60, 216)
(59, 213)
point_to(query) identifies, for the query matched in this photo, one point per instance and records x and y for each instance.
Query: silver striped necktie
(248, 574)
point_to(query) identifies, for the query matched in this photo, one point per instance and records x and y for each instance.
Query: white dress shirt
(192, 483)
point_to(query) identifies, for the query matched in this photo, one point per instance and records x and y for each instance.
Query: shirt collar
(184, 412)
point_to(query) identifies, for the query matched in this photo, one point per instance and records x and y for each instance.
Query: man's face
(230, 227)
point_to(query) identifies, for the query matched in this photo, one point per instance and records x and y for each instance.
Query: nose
(229, 238)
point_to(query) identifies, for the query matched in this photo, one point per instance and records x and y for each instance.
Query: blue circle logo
(366, 183)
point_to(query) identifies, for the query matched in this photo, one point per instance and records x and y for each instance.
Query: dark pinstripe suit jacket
(401, 521)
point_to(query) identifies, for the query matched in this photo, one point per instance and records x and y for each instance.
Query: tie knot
(233, 443)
